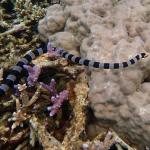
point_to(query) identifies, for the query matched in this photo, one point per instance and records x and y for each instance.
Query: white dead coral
(110, 139)
(112, 31)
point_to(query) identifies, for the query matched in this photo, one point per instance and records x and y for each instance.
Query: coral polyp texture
(108, 31)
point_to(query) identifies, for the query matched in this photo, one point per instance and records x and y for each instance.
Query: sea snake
(16, 70)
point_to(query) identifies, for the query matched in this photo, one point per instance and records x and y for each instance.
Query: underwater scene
(74, 75)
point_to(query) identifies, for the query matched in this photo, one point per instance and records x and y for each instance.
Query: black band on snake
(15, 72)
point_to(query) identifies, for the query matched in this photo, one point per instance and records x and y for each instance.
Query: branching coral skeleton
(20, 115)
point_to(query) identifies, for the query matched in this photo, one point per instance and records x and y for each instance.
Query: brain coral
(109, 31)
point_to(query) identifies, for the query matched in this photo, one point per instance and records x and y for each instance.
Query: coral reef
(108, 31)
(48, 107)
(18, 34)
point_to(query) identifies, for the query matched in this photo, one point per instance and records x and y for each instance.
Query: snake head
(144, 55)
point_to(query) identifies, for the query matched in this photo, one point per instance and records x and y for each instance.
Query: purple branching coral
(51, 87)
(57, 102)
(52, 52)
(56, 99)
(34, 73)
